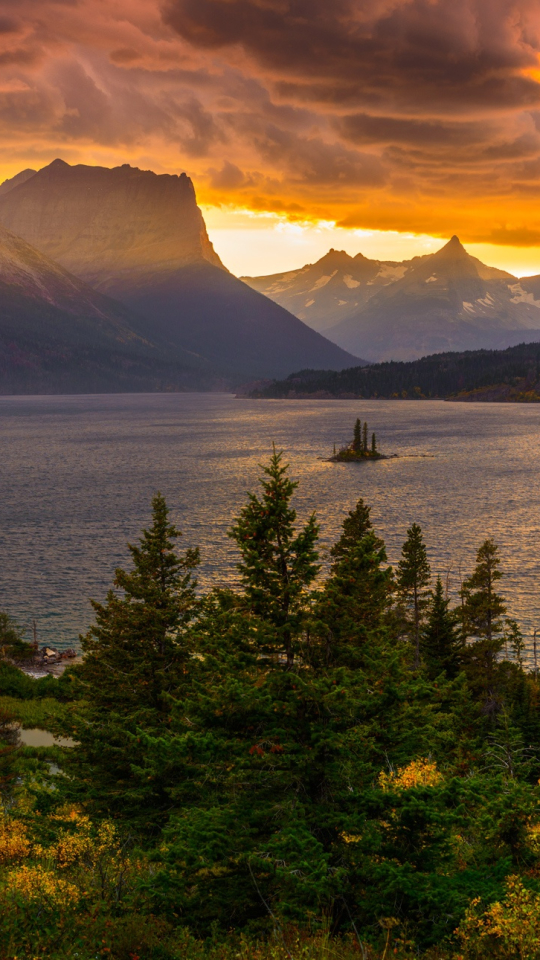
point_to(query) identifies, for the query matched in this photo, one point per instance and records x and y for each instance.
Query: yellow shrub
(513, 924)
(35, 884)
(418, 773)
(14, 843)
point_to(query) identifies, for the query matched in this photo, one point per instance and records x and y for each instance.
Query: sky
(380, 126)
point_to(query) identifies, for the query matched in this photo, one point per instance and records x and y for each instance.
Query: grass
(33, 713)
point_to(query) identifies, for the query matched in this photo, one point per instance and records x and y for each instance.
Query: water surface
(77, 475)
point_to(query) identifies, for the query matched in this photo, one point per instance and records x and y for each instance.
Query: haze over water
(78, 473)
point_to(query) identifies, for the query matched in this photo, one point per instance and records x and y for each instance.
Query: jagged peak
(454, 248)
(338, 257)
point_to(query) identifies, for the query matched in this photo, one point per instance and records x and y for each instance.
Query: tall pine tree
(279, 563)
(441, 639)
(135, 656)
(413, 578)
(483, 624)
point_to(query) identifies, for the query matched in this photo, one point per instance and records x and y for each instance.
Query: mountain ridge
(443, 301)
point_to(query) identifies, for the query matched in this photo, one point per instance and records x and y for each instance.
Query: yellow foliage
(513, 924)
(35, 884)
(418, 773)
(14, 843)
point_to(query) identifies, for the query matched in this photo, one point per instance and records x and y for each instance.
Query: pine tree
(355, 526)
(373, 443)
(12, 644)
(413, 577)
(441, 641)
(278, 563)
(482, 612)
(135, 656)
(364, 438)
(357, 437)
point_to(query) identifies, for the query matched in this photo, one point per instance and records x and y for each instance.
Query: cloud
(417, 115)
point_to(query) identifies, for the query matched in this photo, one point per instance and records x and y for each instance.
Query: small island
(359, 448)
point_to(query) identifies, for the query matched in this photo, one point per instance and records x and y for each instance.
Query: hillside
(141, 239)
(495, 375)
(448, 300)
(58, 335)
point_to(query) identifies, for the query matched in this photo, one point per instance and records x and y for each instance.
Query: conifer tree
(355, 526)
(482, 621)
(413, 577)
(12, 644)
(441, 640)
(135, 656)
(364, 438)
(357, 437)
(373, 443)
(278, 562)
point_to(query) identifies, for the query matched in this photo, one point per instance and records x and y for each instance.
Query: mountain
(511, 375)
(322, 294)
(21, 177)
(141, 238)
(445, 301)
(58, 335)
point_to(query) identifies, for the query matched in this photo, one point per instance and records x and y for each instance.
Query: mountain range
(384, 310)
(138, 240)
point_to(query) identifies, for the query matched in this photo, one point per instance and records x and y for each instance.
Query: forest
(506, 375)
(334, 760)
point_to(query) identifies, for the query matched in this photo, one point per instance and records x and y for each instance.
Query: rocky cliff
(103, 224)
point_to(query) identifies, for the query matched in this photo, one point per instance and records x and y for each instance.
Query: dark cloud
(124, 55)
(421, 51)
(230, 177)
(9, 25)
(364, 128)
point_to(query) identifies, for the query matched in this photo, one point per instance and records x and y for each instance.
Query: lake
(78, 474)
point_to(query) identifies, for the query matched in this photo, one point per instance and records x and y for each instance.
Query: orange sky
(374, 125)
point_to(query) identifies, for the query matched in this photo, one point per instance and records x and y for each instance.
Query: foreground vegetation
(506, 375)
(303, 768)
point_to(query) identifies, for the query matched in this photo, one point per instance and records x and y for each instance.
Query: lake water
(77, 475)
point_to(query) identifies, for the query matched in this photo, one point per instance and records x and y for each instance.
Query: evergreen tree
(441, 640)
(278, 563)
(413, 577)
(12, 644)
(135, 656)
(352, 610)
(355, 526)
(373, 443)
(364, 438)
(482, 622)
(357, 437)
(275, 813)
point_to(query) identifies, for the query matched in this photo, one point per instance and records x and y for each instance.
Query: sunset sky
(381, 126)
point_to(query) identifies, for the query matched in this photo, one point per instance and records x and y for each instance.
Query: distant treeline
(511, 374)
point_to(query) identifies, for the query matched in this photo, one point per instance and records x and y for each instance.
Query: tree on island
(357, 437)
(373, 443)
(413, 576)
(365, 436)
